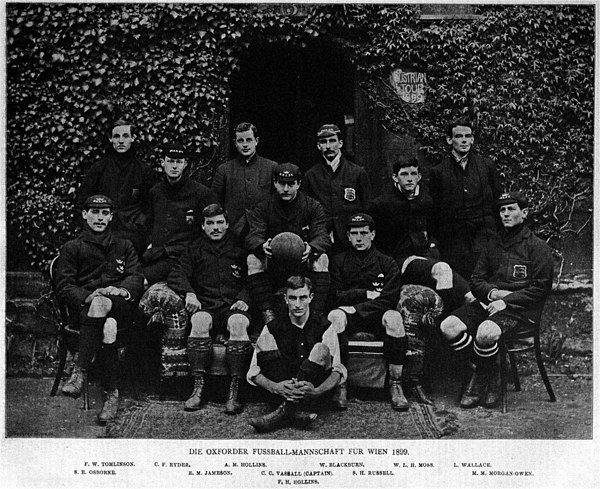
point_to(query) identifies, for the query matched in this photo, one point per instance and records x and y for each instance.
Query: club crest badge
(350, 194)
(236, 271)
(520, 272)
(120, 265)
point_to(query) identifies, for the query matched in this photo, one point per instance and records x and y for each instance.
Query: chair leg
(503, 379)
(86, 394)
(62, 356)
(161, 388)
(542, 368)
(514, 372)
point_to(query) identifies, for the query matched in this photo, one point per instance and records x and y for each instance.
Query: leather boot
(110, 408)
(340, 397)
(299, 417)
(233, 404)
(475, 389)
(494, 393)
(398, 400)
(195, 400)
(74, 385)
(199, 352)
(237, 356)
(271, 421)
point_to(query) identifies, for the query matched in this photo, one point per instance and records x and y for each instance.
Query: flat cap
(359, 220)
(512, 198)
(175, 150)
(287, 172)
(328, 130)
(98, 202)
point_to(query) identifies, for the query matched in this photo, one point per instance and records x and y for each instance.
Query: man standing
(291, 211)
(297, 359)
(244, 181)
(511, 282)
(174, 217)
(211, 276)
(366, 288)
(341, 186)
(100, 279)
(464, 187)
(125, 180)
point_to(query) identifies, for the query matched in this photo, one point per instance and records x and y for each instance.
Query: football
(287, 247)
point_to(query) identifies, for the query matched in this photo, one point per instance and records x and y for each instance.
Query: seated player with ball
(273, 258)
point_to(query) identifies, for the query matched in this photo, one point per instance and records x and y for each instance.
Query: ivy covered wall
(524, 73)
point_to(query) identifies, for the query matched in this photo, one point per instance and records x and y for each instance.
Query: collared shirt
(329, 339)
(461, 160)
(409, 197)
(335, 163)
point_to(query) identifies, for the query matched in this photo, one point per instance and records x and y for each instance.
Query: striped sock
(461, 342)
(486, 352)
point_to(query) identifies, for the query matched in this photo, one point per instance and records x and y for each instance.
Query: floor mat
(156, 419)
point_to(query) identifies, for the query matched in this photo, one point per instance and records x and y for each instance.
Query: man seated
(211, 276)
(403, 216)
(511, 282)
(297, 359)
(176, 203)
(366, 288)
(287, 210)
(100, 279)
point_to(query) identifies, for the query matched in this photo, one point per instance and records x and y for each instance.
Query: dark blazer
(303, 216)
(91, 261)
(214, 270)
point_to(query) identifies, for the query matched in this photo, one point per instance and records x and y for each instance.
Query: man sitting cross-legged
(100, 279)
(211, 275)
(297, 358)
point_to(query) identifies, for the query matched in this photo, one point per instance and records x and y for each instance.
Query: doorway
(288, 92)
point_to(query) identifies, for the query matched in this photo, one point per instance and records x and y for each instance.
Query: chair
(520, 342)
(66, 336)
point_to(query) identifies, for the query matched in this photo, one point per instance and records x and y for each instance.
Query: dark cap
(287, 172)
(328, 130)
(175, 151)
(512, 198)
(359, 220)
(98, 202)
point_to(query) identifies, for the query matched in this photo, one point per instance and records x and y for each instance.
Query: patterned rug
(155, 419)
